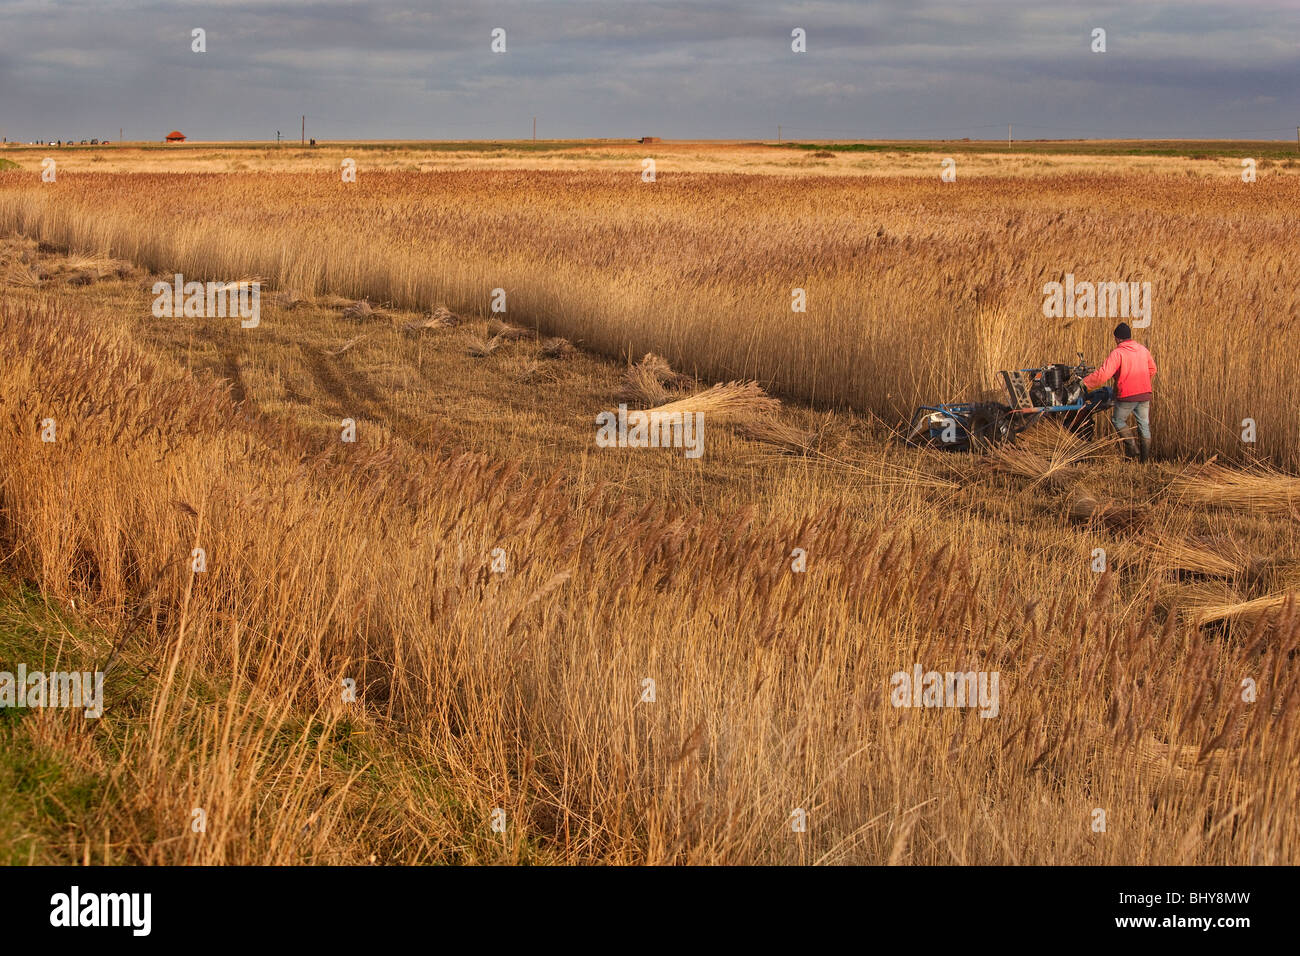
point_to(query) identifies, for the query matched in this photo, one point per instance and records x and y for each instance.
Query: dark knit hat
(1122, 331)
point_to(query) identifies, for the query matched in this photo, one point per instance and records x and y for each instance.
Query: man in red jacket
(1133, 368)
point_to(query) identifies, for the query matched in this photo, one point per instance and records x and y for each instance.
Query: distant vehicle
(94, 142)
(85, 143)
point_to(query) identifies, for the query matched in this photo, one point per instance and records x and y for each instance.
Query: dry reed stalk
(537, 372)
(480, 347)
(90, 264)
(1261, 489)
(289, 300)
(731, 401)
(771, 430)
(99, 265)
(443, 318)
(556, 348)
(640, 388)
(1209, 613)
(1112, 515)
(428, 322)
(1207, 557)
(651, 381)
(362, 311)
(1045, 454)
(1024, 463)
(509, 333)
(22, 275)
(348, 344)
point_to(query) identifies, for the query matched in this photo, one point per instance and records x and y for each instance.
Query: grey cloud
(705, 68)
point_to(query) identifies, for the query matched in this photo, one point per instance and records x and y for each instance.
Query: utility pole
(778, 134)
(1008, 136)
(535, 130)
(304, 130)
(119, 136)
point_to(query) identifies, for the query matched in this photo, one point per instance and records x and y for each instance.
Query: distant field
(1281, 150)
(903, 157)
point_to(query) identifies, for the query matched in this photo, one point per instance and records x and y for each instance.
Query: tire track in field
(353, 396)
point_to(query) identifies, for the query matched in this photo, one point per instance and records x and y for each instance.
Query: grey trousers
(1142, 411)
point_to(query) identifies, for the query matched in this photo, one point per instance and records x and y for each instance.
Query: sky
(691, 69)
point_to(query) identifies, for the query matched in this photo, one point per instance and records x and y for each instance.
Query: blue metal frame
(959, 413)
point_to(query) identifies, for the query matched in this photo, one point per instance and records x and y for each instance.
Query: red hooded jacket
(1132, 367)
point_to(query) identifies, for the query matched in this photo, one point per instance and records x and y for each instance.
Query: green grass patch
(62, 777)
(43, 798)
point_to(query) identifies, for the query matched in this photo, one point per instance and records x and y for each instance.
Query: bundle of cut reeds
(1258, 489)
(732, 402)
(1112, 515)
(500, 330)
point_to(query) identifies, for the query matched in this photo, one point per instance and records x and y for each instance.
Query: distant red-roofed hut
(175, 136)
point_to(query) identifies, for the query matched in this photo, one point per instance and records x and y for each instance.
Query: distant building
(175, 136)
(650, 139)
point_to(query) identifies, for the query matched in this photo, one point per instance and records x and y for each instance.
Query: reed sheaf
(524, 689)
(915, 290)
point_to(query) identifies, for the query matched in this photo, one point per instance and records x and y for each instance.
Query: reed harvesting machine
(1054, 392)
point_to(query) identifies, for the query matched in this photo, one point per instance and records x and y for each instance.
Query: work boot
(1144, 454)
(1130, 447)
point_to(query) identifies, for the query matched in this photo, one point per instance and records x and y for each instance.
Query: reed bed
(916, 291)
(500, 627)
(523, 687)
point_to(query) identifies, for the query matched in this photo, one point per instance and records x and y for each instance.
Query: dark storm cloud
(685, 69)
